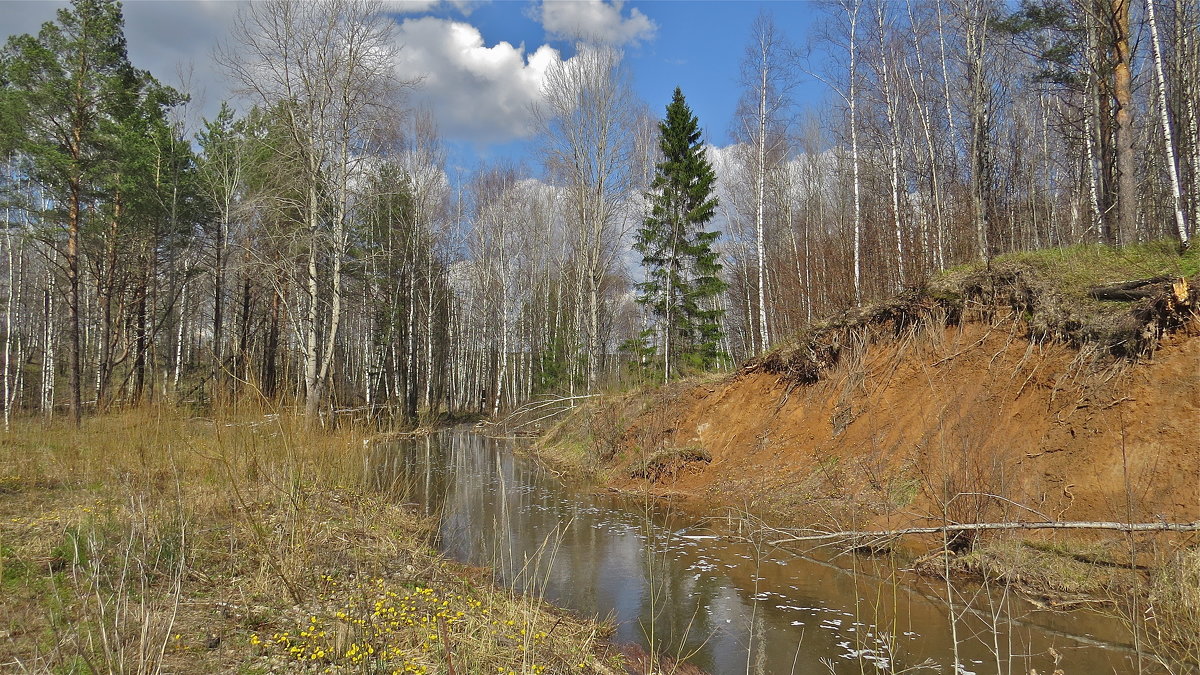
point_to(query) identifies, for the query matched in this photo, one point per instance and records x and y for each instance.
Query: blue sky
(699, 47)
(696, 44)
(482, 59)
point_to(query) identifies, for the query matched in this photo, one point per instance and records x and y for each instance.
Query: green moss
(1075, 269)
(12, 568)
(903, 492)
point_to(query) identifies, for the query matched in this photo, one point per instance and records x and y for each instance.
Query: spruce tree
(677, 251)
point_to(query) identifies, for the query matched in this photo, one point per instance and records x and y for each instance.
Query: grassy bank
(149, 540)
(593, 440)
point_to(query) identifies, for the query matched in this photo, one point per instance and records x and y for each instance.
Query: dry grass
(591, 439)
(1047, 289)
(1158, 601)
(1056, 575)
(668, 462)
(151, 541)
(590, 435)
(1173, 612)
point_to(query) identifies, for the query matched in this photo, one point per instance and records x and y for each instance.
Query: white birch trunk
(1089, 133)
(1164, 119)
(339, 250)
(501, 363)
(760, 197)
(8, 315)
(22, 344)
(852, 100)
(312, 396)
(179, 329)
(48, 341)
(429, 286)
(890, 105)
(1188, 45)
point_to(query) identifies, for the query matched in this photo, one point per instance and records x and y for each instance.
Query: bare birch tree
(328, 68)
(1165, 121)
(763, 123)
(844, 36)
(586, 119)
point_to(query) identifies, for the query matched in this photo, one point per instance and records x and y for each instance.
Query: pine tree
(63, 85)
(681, 266)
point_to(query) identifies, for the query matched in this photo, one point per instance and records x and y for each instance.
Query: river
(689, 586)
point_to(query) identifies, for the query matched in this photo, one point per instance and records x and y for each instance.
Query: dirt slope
(1016, 429)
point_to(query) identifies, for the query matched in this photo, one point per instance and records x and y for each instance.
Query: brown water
(686, 587)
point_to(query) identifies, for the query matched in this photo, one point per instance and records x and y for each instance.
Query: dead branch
(548, 401)
(975, 527)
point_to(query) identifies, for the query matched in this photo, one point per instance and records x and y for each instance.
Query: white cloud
(477, 93)
(412, 6)
(173, 40)
(596, 20)
(421, 6)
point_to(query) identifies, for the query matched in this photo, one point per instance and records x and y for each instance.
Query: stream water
(691, 587)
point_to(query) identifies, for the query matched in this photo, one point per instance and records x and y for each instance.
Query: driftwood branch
(975, 527)
(565, 401)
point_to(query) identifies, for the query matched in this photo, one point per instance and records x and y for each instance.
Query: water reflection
(730, 606)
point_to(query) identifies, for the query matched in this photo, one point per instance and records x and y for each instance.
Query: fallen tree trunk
(1129, 290)
(976, 527)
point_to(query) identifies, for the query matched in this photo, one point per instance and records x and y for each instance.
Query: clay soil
(972, 422)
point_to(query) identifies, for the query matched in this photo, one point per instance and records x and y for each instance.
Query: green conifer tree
(677, 251)
(62, 84)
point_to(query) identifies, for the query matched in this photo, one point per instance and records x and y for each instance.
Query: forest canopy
(309, 245)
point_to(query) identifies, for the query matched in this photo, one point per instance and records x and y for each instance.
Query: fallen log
(976, 527)
(1129, 290)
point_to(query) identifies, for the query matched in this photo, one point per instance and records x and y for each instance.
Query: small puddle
(725, 604)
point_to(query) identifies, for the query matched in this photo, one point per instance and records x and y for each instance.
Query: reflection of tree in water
(675, 619)
(409, 470)
(725, 604)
